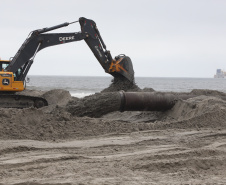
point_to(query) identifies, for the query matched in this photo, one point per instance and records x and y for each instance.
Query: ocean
(80, 86)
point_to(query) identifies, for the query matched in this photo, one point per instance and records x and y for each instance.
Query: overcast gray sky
(164, 38)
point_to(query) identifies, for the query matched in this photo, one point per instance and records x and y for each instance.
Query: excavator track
(21, 101)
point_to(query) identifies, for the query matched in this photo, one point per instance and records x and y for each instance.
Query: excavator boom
(13, 75)
(39, 39)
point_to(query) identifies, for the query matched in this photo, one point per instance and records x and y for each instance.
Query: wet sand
(184, 145)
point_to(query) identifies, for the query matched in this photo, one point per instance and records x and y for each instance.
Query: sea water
(80, 86)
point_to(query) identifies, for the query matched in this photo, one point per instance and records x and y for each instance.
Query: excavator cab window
(3, 65)
(17, 73)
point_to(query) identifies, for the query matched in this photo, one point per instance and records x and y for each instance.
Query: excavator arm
(121, 66)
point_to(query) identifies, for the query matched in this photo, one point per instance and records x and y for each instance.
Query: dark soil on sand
(119, 84)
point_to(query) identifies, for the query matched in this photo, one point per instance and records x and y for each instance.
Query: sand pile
(56, 122)
(53, 145)
(119, 84)
(36, 124)
(57, 97)
(95, 105)
(197, 112)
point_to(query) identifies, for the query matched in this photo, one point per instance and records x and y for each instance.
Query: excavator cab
(7, 79)
(4, 64)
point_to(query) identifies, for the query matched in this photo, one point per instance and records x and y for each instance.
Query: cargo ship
(220, 74)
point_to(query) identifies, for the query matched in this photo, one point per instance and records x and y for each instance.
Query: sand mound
(57, 97)
(196, 106)
(60, 122)
(121, 84)
(36, 124)
(185, 144)
(208, 92)
(95, 105)
(197, 112)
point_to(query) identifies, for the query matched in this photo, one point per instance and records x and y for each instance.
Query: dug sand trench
(184, 145)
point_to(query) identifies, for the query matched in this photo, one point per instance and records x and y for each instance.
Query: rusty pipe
(146, 101)
(100, 104)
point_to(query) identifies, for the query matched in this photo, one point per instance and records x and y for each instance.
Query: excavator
(13, 72)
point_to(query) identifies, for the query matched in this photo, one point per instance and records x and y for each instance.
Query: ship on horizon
(220, 74)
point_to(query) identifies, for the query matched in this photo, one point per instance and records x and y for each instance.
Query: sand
(52, 145)
(119, 84)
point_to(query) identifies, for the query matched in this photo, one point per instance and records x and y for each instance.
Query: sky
(163, 38)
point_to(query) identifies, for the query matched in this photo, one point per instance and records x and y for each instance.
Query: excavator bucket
(122, 66)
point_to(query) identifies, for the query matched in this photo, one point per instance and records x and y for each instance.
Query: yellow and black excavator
(13, 72)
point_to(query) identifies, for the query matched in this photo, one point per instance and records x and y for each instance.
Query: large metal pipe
(146, 101)
(103, 103)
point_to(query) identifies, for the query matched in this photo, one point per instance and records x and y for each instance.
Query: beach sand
(184, 145)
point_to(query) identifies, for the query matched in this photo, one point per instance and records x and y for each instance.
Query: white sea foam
(80, 94)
